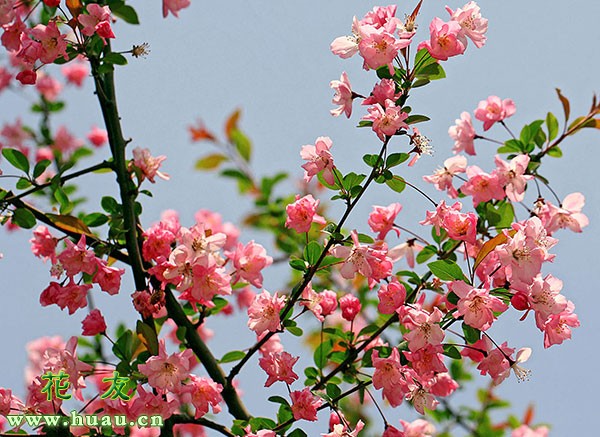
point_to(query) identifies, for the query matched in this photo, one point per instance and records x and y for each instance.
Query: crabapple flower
(279, 367)
(558, 326)
(319, 160)
(405, 250)
(43, 244)
(568, 215)
(416, 428)
(202, 393)
(77, 259)
(98, 137)
(446, 40)
(249, 261)
(424, 328)
(75, 72)
(148, 164)
(48, 87)
(422, 146)
(378, 46)
(65, 142)
(372, 263)
(53, 43)
(97, 20)
(391, 296)
(494, 110)
(386, 120)
(476, 305)
(174, 6)
(259, 433)
(463, 134)
(343, 96)
(436, 218)
(263, 314)
(523, 355)
(381, 219)
(526, 431)
(305, 404)
(166, 373)
(442, 178)
(472, 23)
(513, 177)
(461, 226)
(347, 46)
(350, 306)
(382, 91)
(302, 213)
(339, 430)
(482, 186)
(93, 323)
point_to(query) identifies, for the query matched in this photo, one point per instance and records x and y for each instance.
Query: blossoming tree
(393, 314)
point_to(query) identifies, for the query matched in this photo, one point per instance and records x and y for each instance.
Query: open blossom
(389, 376)
(302, 213)
(436, 218)
(378, 46)
(442, 178)
(65, 142)
(97, 20)
(305, 404)
(279, 367)
(482, 186)
(319, 160)
(343, 96)
(558, 326)
(405, 250)
(381, 219)
(148, 164)
(249, 261)
(526, 431)
(568, 215)
(386, 120)
(463, 134)
(340, 430)
(495, 363)
(174, 6)
(473, 25)
(93, 323)
(493, 109)
(446, 40)
(476, 305)
(202, 393)
(416, 428)
(382, 91)
(48, 87)
(513, 177)
(43, 243)
(424, 328)
(70, 296)
(75, 72)
(391, 296)
(53, 43)
(167, 372)
(372, 263)
(77, 259)
(263, 314)
(347, 46)
(461, 226)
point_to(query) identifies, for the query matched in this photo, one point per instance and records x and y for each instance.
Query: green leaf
(396, 159)
(23, 183)
(210, 162)
(426, 253)
(63, 200)
(552, 124)
(333, 391)
(278, 400)
(95, 219)
(298, 264)
(40, 167)
(232, 356)
(16, 158)
(555, 152)
(471, 334)
(23, 218)
(106, 68)
(127, 14)
(365, 123)
(451, 351)
(373, 160)
(414, 119)
(452, 298)
(115, 58)
(242, 144)
(396, 183)
(110, 205)
(312, 252)
(297, 433)
(295, 331)
(446, 270)
(321, 353)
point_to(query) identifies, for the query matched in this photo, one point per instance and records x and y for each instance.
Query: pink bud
(350, 306)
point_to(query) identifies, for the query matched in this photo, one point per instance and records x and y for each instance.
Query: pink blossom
(272, 345)
(5, 78)
(70, 296)
(157, 242)
(302, 213)
(386, 121)
(482, 186)
(145, 304)
(30, 52)
(167, 372)
(417, 428)
(472, 23)
(343, 96)
(521, 257)
(382, 91)
(35, 354)
(43, 243)
(77, 259)
(390, 376)
(461, 226)
(148, 164)
(264, 312)
(381, 219)
(421, 398)
(526, 431)
(249, 261)
(93, 323)
(405, 250)
(319, 160)
(26, 77)
(442, 178)
(513, 177)
(568, 215)
(463, 134)
(495, 362)
(493, 109)
(446, 40)
(340, 430)
(543, 296)
(558, 326)
(424, 328)
(65, 142)
(98, 137)
(327, 302)
(391, 296)
(174, 6)
(7, 11)
(75, 72)
(380, 16)
(305, 404)
(436, 218)
(279, 367)
(203, 393)
(259, 433)
(443, 385)
(48, 87)
(97, 20)
(427, 361)
(362, 259)
(108, 278)
(350, 306)
(11, 38)
(347, 46)
(476, 305)
(53, 43)
(378, 46)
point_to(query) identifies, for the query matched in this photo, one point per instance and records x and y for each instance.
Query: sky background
(272, 59)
